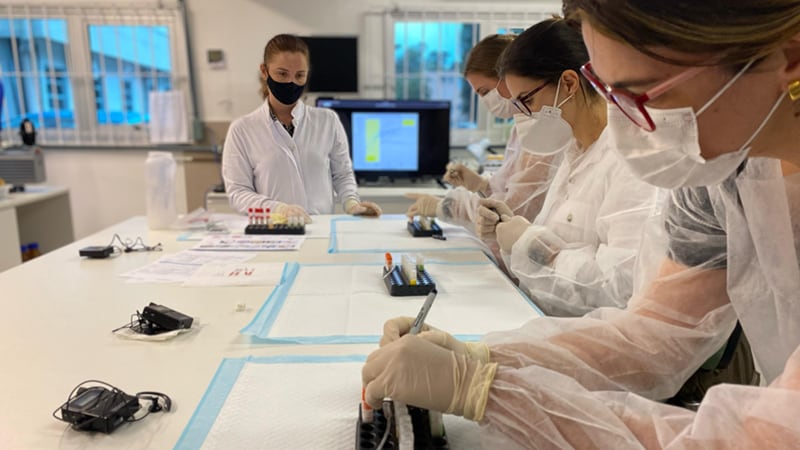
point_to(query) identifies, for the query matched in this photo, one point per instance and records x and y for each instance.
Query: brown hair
(278, 44)
(483, 58)
(734, 31)
(545, 51)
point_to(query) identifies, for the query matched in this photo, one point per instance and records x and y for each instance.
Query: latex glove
(424, 205)
(509, 230)
(356, 208)
(544, 245)
(419, 373)
(395, 328)
(458, 174)
(293, 211)
(489, 213)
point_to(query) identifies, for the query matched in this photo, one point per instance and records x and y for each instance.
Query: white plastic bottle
(160, 186)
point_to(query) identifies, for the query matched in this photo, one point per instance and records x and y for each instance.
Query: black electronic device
(97, 408)
(398, 284)
(369, 435)
(280, 228)
(334, 63)
(165, 319)
(96, 251)
(424, 227)
(27, 132)
(395, 138)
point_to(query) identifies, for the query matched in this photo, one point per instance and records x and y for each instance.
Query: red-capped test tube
(250, 216)
(389, 262)
(367, 415)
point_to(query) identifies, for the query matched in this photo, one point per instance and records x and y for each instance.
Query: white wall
(107, 186)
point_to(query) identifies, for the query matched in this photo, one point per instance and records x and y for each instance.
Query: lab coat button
(569, 217)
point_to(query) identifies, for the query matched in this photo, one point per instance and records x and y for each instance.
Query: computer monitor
(395, 138)
(334, 63)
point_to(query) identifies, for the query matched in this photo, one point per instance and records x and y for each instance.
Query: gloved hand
(459, 175)
(395, 328)
(356, 208)
(293, 211)
(544, 245)
(509, 231)
(420, 373)
(424, 205)
(488, 217)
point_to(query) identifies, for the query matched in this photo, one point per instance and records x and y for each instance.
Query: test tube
(420, 266)
(388, 262)
(250, 216)
(367, 415)
(409, 270)
(268, 218)
(258, 212)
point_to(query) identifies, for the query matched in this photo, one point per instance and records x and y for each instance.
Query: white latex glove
(544, 245)
(488, 217)
(356, 208)
(509, 231)
(424, 205)
(395, 328)
(419, 373)
(458, 174)
(293, 211)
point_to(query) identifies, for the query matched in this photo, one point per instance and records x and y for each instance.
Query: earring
(794, 90)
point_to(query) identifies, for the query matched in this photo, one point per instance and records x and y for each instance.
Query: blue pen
(419, 322)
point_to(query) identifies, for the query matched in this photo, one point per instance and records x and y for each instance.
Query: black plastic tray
(275, 229)
(369, 435)
(416, 230)
(397, 284)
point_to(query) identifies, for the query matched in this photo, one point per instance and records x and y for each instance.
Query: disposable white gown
(596, 208)
(733, 254)
(521, 182)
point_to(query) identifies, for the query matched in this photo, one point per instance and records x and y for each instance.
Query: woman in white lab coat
(579, 253)
(522, 180)
(285, 155)
(705, 100)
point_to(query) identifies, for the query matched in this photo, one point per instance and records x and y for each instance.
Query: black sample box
(369, 435)
(416, 228)
(398, 286)
(274, 229)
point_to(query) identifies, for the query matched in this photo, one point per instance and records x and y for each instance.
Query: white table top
(55, 332)
(32, 194)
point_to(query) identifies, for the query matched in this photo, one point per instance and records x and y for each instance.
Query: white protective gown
(596, 209)
(585, 382)
(521, 183)
(263, 165)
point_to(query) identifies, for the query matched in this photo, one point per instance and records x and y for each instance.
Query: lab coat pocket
(575, 221)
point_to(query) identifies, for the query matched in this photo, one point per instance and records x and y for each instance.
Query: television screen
(334, 64)
(396, 138)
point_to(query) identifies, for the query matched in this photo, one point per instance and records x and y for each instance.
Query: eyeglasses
(632, 105)
(521, 101)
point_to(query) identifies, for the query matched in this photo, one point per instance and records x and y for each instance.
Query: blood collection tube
(268, 218)
(250, 216)
(367, 415)
(388, 262)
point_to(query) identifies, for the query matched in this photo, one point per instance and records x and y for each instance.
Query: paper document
(179, 267)
(250, 243)
(238, 274)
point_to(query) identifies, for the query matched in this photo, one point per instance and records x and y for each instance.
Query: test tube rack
(278, 228)
(417, 228)
(398, 286)
(369, 435)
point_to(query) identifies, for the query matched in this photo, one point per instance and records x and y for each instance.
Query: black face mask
(286, 93)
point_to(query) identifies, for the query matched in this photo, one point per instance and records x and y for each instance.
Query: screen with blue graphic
(385, 141)
(395, 138)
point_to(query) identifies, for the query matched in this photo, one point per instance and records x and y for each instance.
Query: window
(83, 73)
(429, 61)
(33, 71)
(127, 63)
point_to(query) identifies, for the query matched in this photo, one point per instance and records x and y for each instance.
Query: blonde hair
(483, 58)
(278, 44)
(733, 31)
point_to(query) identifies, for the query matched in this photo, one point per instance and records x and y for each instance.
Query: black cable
(138, 245)
(388, 412)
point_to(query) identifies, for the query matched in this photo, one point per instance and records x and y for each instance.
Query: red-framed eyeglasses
(632, 105)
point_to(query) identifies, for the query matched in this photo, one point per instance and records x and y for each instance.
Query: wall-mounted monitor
(334, 64)
(395, 138)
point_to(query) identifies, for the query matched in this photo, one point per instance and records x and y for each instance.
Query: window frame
(80, 76)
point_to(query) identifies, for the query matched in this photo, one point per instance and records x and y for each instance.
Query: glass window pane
(34, 73)
(429, 60)
(128, 62)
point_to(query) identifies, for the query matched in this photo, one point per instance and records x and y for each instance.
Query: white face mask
(670, 157)
(498, 105)
(546, 133)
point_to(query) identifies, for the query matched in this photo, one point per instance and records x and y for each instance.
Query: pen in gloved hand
(419, 322)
